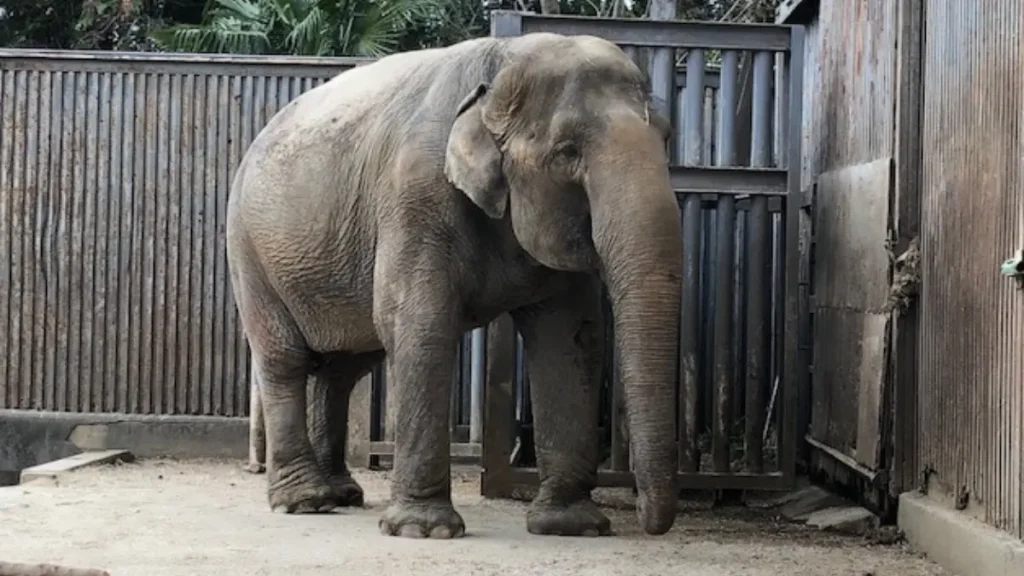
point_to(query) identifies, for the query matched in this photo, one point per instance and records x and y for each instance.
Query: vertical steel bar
(630, 51)
(476, 379)
(739, 313)
(795, 361)
(523, 377)
(708, 152)
(376, 405)
(758, 273)
(723, 338)
(7, 399)
(689, 456)
(455, 393)
(679, 129)
(780, 154)
(706, 352)
(465, 371)
(663, 83)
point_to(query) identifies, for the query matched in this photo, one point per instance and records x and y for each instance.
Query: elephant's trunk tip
(656, 519)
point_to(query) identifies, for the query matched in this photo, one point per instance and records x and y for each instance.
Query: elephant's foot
(255, 468)
(422, 520)
(301, 494)
(347, 492)
(579, 518)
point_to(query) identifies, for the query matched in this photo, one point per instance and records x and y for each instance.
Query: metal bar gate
(735, 169)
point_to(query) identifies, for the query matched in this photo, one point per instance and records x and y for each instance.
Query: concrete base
(958, 543)
(32, 438)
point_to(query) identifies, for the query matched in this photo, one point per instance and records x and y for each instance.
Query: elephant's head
(565, 140)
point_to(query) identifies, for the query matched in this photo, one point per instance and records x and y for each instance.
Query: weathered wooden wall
(114, 174)
(971, 401)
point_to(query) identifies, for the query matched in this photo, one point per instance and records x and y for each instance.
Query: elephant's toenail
(441, 532)
(410, 531)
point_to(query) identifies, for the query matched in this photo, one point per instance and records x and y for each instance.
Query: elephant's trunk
(638, 236)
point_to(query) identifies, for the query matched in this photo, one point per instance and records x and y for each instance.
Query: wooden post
(903, 381)
(357, 445)
(495, 480)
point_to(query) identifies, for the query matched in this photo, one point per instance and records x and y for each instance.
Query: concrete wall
(31, 438)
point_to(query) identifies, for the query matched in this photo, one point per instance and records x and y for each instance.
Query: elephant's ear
(472, 161)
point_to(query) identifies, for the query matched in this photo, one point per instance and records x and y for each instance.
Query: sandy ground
(162, 518)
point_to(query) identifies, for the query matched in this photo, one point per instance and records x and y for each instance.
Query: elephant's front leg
(422, 348)
(563, 338)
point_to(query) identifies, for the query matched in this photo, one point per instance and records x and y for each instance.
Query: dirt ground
(164, 518)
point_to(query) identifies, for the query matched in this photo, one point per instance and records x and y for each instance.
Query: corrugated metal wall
(114, 174)
(972, 333)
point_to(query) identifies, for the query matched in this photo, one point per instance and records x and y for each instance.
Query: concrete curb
(32, 438)
(957, 542)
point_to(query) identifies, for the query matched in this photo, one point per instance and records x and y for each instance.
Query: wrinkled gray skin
(327, 434)
(409, 200)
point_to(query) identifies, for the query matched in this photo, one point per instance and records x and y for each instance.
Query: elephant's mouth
(566, 246)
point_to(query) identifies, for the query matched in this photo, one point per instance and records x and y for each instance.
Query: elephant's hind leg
(282, 362)
(563, 341)
(327, 417)
(296, 482)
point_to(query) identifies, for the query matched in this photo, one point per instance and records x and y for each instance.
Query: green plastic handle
(1012, 267)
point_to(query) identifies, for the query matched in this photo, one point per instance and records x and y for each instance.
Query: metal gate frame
(726, 186)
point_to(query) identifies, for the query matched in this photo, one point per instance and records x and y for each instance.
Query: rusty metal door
(850, 307)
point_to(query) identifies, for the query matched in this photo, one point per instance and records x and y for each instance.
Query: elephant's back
(389, 90)
(348, 132)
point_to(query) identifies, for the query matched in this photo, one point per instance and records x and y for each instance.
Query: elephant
(385, 212)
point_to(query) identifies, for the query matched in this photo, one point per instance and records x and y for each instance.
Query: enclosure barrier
(115, 169)
(740, 198)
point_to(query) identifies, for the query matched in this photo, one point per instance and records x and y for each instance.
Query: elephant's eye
(568, 150)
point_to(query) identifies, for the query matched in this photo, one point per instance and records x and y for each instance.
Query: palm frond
(243, 10)
(210, 39)
(306, 35)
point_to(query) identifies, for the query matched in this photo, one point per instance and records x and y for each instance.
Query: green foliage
(307, 27)
(38, 24)
(116, 24)
(316, 27)
(453, 21)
